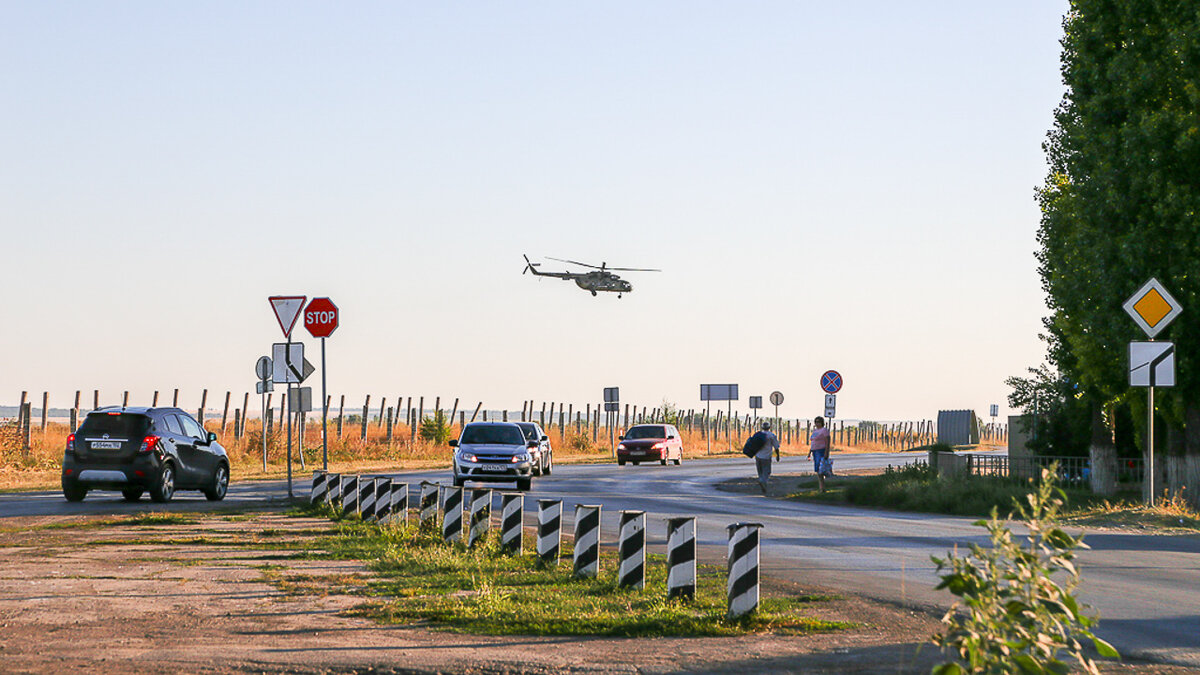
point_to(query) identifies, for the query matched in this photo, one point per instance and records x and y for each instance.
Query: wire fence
(1071, 471)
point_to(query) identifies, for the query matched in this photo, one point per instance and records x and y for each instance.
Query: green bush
(435, 429)
(1011, 614)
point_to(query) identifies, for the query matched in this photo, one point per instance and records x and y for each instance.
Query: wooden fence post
(341, 411)
(389, 426)
(125, 399)
(95, 399)
(154, 400)
(203, 402)
(382, 405)
(225, 412)
(474, 414)
(27, 430)
(21, 410)
(366, 412)
(453, 412)
(45, 409)
(543, 417)
(245, 413)
(75, 413)
(175, 399)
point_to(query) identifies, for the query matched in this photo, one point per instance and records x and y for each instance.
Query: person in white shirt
(762, 459)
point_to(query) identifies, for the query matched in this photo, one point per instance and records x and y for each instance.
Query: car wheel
(678, 460)
(537, 468)
(523, 484)
(132, 494)
(620, 462)
(663, 461)
(636, 463)
(74, 492)
(458, 480)
(549, 468)
(216, 490)
(164, 489)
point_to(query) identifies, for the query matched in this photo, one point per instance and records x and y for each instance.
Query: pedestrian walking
(819, 447)
(760, 446)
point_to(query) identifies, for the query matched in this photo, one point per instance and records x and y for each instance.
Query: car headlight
(468, 457)
(621, 446)
(517, 459)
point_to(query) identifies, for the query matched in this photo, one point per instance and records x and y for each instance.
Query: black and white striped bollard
(320, 488)
(333, 481)
(383, 499)
(587, 541)
(742, 582)
(452, 515)
(399, 503)
(512, 513)
(349, 495)
(681, 558)
(549, 530)
(366, 498)
(481, 515)
(632, 550)
(427, 515)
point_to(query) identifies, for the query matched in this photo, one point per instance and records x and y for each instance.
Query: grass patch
(1168, 514)
(140, 519)
(420, 579)
(918, 487)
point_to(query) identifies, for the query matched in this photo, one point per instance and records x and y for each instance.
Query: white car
(493, 452)
(543, 454)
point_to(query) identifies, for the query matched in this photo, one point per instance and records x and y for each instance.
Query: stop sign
(321, 317)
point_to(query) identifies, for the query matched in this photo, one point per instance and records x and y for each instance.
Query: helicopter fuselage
(602, 281)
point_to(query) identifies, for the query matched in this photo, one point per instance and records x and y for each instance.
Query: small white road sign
(1152, 307)
(1152, 364)
(264, 386)
(288, 363)
(830, 405)
(287, 310)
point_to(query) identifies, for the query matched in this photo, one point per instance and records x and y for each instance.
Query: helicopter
(600, 280)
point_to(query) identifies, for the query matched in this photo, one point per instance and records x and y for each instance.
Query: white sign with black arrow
(1152, 364)
(288, 363)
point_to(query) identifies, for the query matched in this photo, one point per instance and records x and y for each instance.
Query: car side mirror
(454, 442)
(620, 438)
(670, 436)
(212, 437)
(545, 438)
(532, 445)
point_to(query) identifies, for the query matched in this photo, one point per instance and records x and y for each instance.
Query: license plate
(637, 452)
(494, 467)
(106, 445)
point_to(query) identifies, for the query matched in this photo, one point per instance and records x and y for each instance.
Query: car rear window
(117, 425)
(647, 432)
(495, 435)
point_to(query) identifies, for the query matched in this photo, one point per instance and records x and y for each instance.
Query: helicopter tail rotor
(529, 265)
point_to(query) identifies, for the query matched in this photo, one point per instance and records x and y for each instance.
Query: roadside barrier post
(320, 487)
(452, 515)
(366, 498)
(349, 495)
(399, 502)
(427, 515)
(512, 515)
(681, 558)
(481, 515)
(742, 582)
(549, 530)
(334, 483)
(383, 499)
(587, 541)
(632, 547)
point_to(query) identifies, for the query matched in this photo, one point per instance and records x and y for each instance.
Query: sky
(844, 186)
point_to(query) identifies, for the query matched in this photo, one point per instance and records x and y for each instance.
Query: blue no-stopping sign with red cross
(831, 382)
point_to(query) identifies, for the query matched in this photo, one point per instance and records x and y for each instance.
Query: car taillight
(70, 444)
(661, 445)
(149, 443)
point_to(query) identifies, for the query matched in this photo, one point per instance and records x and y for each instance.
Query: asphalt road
(1146, 588)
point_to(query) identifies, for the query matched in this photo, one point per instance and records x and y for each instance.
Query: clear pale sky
(825, 185)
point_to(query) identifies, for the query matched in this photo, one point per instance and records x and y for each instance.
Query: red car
(648, 442)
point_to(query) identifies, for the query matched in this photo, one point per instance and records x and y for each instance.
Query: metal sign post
(720, 392)
(1152, 308)
(320, 320)
(263, 370)
(612, 405)
(287, 310)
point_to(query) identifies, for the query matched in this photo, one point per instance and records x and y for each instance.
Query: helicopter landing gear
(593, 294)
(619, 296)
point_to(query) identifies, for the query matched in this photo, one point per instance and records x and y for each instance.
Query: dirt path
(180, 597)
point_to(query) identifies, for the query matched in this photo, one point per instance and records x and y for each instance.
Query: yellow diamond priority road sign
(1152, 307)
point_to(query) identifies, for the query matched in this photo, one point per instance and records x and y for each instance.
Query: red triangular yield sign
(287, 310)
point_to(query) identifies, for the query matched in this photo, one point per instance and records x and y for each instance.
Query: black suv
(138, 449)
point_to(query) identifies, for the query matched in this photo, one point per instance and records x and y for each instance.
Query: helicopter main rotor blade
(575, 262)
(633, 269)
